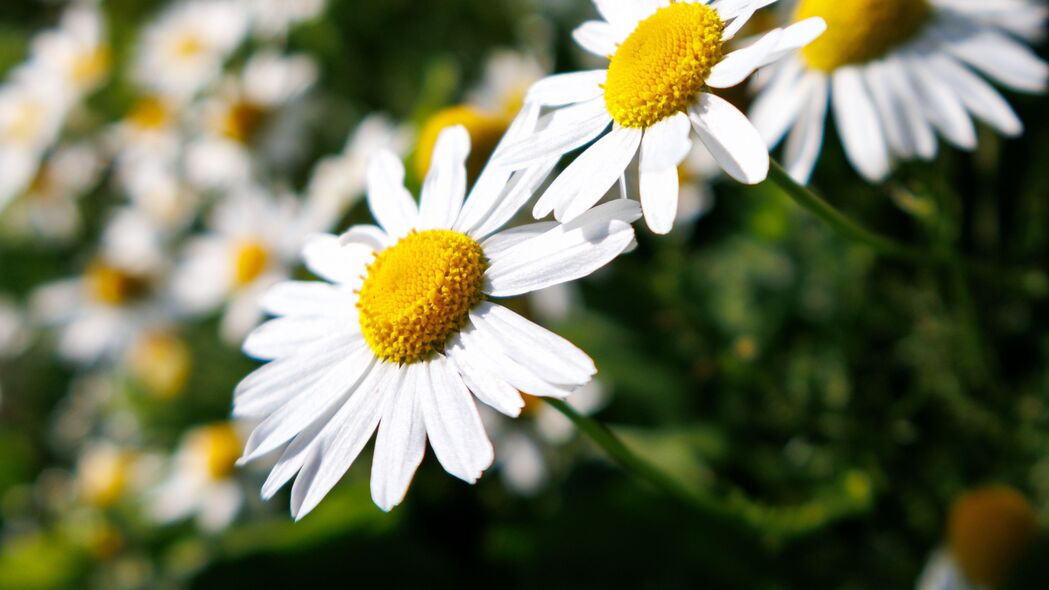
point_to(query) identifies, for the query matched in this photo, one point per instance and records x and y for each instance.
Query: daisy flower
(76, 53)
(105, 474)
(32, 111)
(665, 57)
(48, 206)
(337, 182)
(487, 111)
(98, 313)
(988, 531)
(252, 241)
(254, 112)
(403, 335)
(184, 50)
(895, 73)
(202, 481)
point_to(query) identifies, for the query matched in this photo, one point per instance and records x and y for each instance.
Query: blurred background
(828, 404)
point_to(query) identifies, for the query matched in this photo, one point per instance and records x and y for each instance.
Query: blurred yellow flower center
(217, 448)
(485, 132)
(663, 64)
(859, 31)
(102, 476)
(113, 286)
(988, 531)
(24, 126)
(243, 120)
(189, 47)
(149, 113)
(161, 363)
(249, 260)
(419, 292)
(90, 67)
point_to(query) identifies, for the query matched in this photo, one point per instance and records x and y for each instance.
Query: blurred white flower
(201, 481)
(184, 50)
(48, 205)
(252, 242)
(255, 113)
(32, 110)
(75, 53)
(274, 18)
(98, 314)
(106, 474)
(337, 182)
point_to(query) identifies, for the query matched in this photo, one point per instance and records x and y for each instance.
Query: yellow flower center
(26, 123)
(149, 113)
(249, 260)
(217, 448)
(243, 121)
(189, 47)
(987, 532)
(485, 132)
(663, 64)
(859, 31)
(113, 286)
(161, 363)
(103, 476)
(90, 67)
(419, 292)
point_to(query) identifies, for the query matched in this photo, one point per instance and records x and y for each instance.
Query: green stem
(1033, 283)
(771, 525)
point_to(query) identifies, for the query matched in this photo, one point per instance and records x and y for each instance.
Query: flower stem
(1033, 283)
(761, 525)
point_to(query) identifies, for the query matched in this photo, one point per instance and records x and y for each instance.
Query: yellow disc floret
(419, 292)
(249, 261)
(663, 64)
(243, 120)
(113, 286)
(988, 530)
(215, 448)
(859, 31)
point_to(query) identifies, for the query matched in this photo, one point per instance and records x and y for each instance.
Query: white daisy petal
(780, 103)
(293, 457)
(565, 89)
(892, 117)
(495, 245)
(739, 64)
(329, 259)
(491, 390)
(366, 235)
(487, 353)
(659, 198)
(445, 186)
(283, 337)
(596, 37)
(338, 381)
(858, 124)
(568, 129)
(979, 97)
(302, 298)
(893, 74)
(663, 147)
(400, 443)
(532, 346)
(565, 253)
(731, 138)
(452, 422)
(997, 56)
(939, 103)
(806, 139)
(390, 203)
(589, 177)
(329, 460)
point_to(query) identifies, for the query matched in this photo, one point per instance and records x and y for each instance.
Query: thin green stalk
(769, 525)
(1033, 283)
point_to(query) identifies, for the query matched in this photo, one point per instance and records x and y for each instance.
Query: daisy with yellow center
(665, 57)
(201, 483)
(988, 531)
(252, 241)
(253, 121)
(897, 73)
(403, 335)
